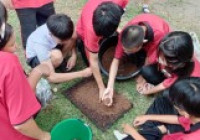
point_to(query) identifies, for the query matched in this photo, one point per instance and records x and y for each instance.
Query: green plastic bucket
(71, 129)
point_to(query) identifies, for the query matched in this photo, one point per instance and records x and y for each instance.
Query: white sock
(118, 135)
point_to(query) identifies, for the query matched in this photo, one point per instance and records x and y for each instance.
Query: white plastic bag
(43, 92)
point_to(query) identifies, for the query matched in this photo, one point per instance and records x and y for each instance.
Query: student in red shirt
(99, 19)
(180, 121)
(176, 60)
(18, 103)
(31, 14)
(140, 38)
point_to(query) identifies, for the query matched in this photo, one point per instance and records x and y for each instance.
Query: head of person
(61, 27)
(176, 52)
(3, 14)
(132, 38)
(185, 95)
(3, 19)
(8, 42)
(106, 18)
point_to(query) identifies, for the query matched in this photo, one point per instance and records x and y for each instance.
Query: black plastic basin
(127, 68)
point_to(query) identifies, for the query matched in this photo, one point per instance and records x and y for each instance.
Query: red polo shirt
(21, 4)
(195, 73)
(185, 123)
(84, 26)
(17, 100)
(157, 28)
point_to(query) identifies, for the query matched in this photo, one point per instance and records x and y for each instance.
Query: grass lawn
(60, 108)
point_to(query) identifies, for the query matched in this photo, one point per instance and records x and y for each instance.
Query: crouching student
(50, 44)
(176, 118)
(99, 19)
(139, 40)
(18, 103)
(176, 61)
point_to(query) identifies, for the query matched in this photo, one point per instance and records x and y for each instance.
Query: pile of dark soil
(85, 96)
(126, 67)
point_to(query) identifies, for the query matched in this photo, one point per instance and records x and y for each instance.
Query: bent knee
(56, 57)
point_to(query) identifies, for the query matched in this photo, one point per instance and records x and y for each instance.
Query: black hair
(132, 36)
(106, 18)
(61, 26)
(3, 14)
(177, 48)
(8, 33)
(185, 94)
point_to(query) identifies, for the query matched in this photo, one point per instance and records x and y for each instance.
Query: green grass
(60, 108)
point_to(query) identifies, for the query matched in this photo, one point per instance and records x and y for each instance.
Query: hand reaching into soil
(107, 97)
(87, 72)
(71, 63)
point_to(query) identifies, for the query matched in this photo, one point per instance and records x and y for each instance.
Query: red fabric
(196, 73)
(17, 100)
(185, 123)
(21, 4)
(84, 26)
(160, 29)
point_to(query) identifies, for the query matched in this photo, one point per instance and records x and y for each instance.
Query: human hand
(101, 91)
(127, 128)
(144, 89)
(140, 120)
(107, 97)
(87, 72)
(71, 63)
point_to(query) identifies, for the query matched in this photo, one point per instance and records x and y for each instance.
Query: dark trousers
(152, 75)
(149, 130)
(31, 18)
(81, 48)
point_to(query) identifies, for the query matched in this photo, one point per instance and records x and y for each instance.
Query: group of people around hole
(169, 59)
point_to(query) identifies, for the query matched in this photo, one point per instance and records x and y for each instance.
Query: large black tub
(127, 67)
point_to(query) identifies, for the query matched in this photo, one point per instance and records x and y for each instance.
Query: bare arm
(113, 73)
(108, 93)
(37, 73)
(169, 119)
(156, 89)
(96, 71)
(72, 60)
(31, 129)
(64, 77)
(33, 78)
(131, 131)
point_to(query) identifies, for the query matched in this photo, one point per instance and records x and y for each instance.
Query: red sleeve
(152, 48)
(20, 98)
(91, 40)
(170, 81)
(185, 123)
(123, 3)
(119, 49)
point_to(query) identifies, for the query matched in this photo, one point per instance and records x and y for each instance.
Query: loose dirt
(85, 96)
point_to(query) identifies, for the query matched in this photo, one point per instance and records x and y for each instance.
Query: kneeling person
(50, 44)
